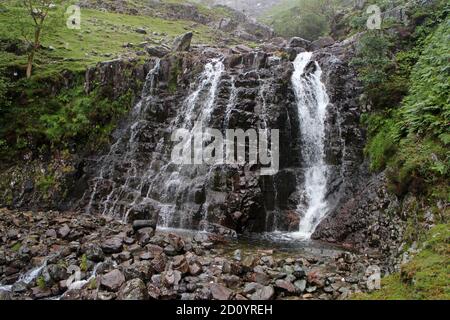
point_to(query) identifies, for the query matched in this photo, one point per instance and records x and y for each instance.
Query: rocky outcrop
(183, 42)
(228, 20)
(54, 181)
(371, 221)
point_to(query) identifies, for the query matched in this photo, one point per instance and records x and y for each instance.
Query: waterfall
(138, 172)
(312, 101)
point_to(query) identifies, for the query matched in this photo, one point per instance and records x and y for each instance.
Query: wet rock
(153, 291)
(322, 42)
(159, 263)
(195, 269)
(40, 293)
(141, 224)
(220, 292)
(237, 255)
(252, 287)
(179, 263)
(176, 242)
(299, 272)
(56, 272)
(133, 290)
(300, 285)
(112, 245)
(249, 262)
(94, 253)
(297, 42)
(113, 280)
(51, 233)
(19, 287)
(183, 42)
(284, 285)
(231, 281)
(170, 250)
(154, 249)
(171, 278)
(144, 235)
(5, 295)
(141, 269)
(106, 296)
(146, 256)
(265, 293)
(261, 278)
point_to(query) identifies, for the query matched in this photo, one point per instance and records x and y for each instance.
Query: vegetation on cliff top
(33, 115)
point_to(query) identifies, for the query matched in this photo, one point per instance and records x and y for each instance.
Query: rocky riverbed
(53, 255)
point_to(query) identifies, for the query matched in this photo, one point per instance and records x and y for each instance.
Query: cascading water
(135, 174)
(312, 101)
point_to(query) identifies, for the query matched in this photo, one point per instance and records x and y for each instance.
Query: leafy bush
(426, 110)
(374, 62)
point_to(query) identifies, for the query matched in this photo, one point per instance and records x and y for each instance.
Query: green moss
(45, 183)
(93, 284)
(40, 282)
(84, 263)
(16, 247)
(425, 277)
(175, 71)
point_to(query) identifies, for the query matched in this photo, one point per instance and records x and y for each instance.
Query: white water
(312, 101)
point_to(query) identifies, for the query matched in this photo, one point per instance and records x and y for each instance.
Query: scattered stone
(133, 290)
(220, 292)
(237, 255)
(300, 285)
(265, 293)
(141, 31)
(285, 286)
(179, 263)
(95, 253)
(112, 245)
(64, 231)
(113, 280)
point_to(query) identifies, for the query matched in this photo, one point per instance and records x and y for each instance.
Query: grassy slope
(35, 117)
(426, 276)
(101, 37)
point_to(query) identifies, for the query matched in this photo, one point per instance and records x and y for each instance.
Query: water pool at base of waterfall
(279, 243)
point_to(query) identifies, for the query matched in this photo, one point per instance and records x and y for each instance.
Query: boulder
(64, 231)
(284, 285)
(265, 293)
(113, 280)
(219, 292)
(141, 224)
(320, 43)
(94, 253)
(112, 245)
(183, 42)
(297, 42)
(133, 290)
(157, 51)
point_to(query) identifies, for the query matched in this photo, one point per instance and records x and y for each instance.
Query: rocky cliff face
(227, 88)
(253, 90)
